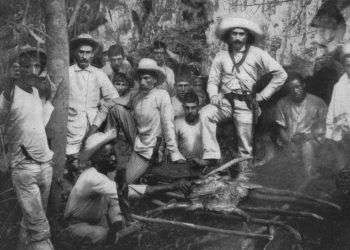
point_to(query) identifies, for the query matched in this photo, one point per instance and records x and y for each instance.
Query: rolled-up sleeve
(279, 75)
(214, 76)
(167, 121)
(101, 184)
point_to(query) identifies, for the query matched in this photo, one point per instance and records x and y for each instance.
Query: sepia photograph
(175, 124)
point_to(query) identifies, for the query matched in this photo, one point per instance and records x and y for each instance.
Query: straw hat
(83, 39)
(95, 142)
(231, 22)
(148, 65)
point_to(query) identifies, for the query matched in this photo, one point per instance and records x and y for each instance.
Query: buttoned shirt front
(154, 117)
(224, 77)
(88, 87)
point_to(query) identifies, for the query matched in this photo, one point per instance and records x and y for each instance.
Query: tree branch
(201, 228)
(75, 13)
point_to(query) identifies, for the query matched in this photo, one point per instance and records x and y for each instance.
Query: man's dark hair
(32, 55)
(98, 159)
(115, 50)
(293, 75)
(159, 45)
(123, 77)
(250, 37)
(191, 97)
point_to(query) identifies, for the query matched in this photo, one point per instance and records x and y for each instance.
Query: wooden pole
(201, 228)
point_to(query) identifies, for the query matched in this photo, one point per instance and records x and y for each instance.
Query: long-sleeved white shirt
(169, 83)
(223, 78)
(154, 117)
(338, 116)
(88, 87)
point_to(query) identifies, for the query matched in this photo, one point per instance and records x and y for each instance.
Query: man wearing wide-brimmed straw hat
(87, 88)
(151, 116)
(231, 85)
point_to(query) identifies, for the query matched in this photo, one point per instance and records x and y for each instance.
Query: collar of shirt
(78, 69)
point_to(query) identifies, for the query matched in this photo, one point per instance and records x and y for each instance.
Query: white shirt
(169, 83)
(25, 126)
(154, 117)
(223, 78)
(189, 138)
(177, 107)
(87, 200)
(338, 116)
(88, 87)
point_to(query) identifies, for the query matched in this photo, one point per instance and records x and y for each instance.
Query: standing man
(159, 54)
(88, 87)
(231, 85)
(21, 115)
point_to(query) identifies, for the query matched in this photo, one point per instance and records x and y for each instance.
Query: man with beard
(92, 210)
(188, 130)
(21, 115)
(301, 120)
(88, 86)
(231, 88)
(182, 86)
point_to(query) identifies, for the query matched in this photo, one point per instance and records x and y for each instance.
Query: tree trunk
(57, 65)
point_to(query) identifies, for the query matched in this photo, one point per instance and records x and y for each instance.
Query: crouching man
(301, 120)
(92, 210)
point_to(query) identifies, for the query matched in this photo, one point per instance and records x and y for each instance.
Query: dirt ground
(283, 172)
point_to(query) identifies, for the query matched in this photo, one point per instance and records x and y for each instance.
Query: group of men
(149, 105)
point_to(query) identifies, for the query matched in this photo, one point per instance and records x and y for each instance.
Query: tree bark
(57, 66)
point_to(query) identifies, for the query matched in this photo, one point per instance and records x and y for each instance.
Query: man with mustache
(301, 119)
(231, 87)
(88, 87)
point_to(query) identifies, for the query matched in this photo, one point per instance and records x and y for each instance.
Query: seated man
(301, 120)
(146, 116)
(95, 194)
(182, 87)
(188, 130)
